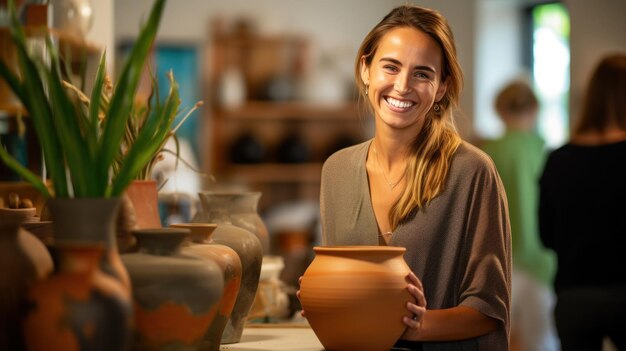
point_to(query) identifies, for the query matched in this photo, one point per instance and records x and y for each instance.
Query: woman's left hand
(418, 308)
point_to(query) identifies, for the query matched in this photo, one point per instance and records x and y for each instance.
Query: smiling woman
(416, 184)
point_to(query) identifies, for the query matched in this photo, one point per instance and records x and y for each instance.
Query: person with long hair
(581, 215)
(418, 185)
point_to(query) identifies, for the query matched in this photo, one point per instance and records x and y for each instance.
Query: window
(550, 65)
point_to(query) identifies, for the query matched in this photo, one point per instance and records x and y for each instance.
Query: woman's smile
(399, 105)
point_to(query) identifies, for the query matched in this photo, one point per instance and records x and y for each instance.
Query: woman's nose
(401, 85)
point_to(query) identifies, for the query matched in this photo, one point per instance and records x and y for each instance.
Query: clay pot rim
(229, 193)
(17, 215)
(360, 248)
(160, 231)
(28, 210)
(193, 225)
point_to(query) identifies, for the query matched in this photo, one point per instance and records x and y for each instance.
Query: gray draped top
(458, 244)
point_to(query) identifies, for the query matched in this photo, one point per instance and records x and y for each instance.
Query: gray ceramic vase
(175, 295)
(250, 251)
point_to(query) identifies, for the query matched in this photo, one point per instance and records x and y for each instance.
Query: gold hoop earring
(437, 108)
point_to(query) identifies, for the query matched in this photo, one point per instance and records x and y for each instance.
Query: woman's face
(404, 78)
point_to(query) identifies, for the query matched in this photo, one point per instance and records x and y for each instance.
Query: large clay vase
(355, 296)
(250, 252)
(175, 296)
(90, 220)
(243, 210)
(201, 245)
(24, 259)
(79, 307)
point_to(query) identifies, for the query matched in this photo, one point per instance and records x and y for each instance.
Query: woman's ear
(441, 91)
(365, 71)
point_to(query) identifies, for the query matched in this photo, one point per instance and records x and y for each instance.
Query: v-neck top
(459, 244)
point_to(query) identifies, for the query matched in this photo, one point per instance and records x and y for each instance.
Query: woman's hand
(418, 309)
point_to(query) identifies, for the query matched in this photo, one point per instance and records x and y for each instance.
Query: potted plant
(81, 142)
(142, 191)
(78, 147)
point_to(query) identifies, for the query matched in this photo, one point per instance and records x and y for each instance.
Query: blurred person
(581, 215)
(519, 157)
(417, 185)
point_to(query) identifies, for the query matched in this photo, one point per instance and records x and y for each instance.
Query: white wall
(498, 59)
(101, 32)
(598, 27)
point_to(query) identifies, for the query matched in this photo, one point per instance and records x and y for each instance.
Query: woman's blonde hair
(434, 146)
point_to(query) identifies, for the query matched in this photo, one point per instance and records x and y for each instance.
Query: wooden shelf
(321, 128)
(276, 172)
(256, 110)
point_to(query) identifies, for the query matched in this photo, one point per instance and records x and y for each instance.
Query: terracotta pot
(144, 197)
(355, 296)
(201, 245)
(24, 259)
(90, 220)
(250, 252)
(79, 307)
(240, 207)
(175, 296)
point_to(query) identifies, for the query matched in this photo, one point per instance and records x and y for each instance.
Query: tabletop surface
(276, 338)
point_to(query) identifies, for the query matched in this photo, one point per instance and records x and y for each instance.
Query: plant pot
(355, 296)
(144, 197)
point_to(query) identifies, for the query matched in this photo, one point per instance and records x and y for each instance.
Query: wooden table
(276, 337)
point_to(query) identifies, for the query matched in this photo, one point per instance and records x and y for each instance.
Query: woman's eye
(420, 75)
(391, 68)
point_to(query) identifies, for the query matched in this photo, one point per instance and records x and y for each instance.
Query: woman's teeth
(397, 103)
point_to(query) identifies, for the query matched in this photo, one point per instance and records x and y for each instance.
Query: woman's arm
(455, 323)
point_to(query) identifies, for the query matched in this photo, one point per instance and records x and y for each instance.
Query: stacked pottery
(250, 252)
(355, 296)
(24, 259)
(176, 297)
(201, 245)
(243, 210)
(79, 307)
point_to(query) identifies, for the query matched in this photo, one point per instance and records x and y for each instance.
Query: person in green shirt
(519, 157)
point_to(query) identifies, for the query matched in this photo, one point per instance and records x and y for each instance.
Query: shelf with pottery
(288, 110)
(270, 95)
